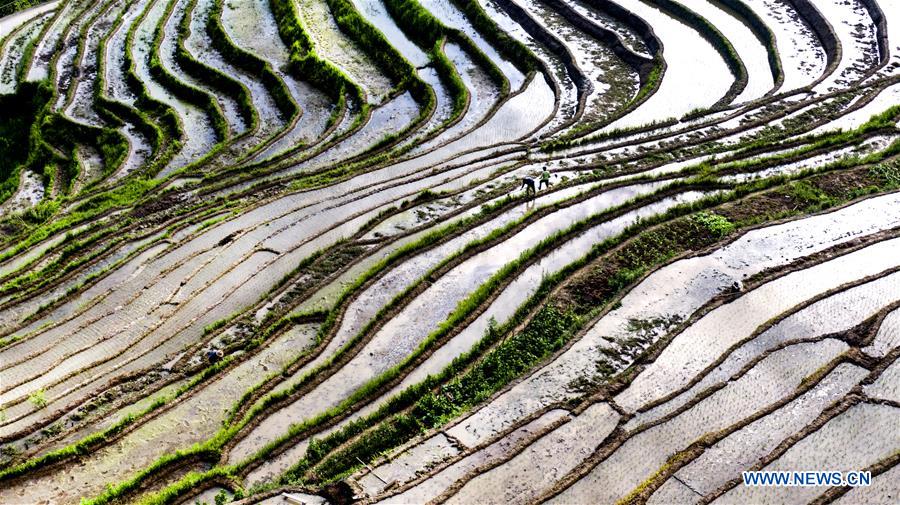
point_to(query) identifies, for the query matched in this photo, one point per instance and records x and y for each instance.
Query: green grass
(157, 119)
(20, 111)
(31, 135)
(180, 89)
(212, 77)
(303, 58)
(250, 63)
(461, 311)
(439, 407)
(154, 119)
(625, 281)
(388, 59)
(579, 135)
(429, 33)
(214, 444)
(376, 46)
(546, 333)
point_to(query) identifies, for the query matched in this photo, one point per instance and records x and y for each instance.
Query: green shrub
(38, 399)
(17, 5)
(718, 225)
(221, 498)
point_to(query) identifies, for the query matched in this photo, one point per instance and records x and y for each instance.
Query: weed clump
(887, 172)
(38, 399)
(717, 224)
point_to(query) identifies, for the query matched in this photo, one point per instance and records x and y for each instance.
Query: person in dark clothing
(214, 355)
(529, 184)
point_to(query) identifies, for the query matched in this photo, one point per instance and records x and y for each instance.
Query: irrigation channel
(259, 248)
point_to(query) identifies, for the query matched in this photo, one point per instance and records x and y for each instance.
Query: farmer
(214, 355)
(528, 184)
(545, 179)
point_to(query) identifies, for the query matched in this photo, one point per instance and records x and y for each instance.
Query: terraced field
(255, 247)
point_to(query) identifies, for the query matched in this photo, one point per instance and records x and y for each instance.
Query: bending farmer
(528, 184)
